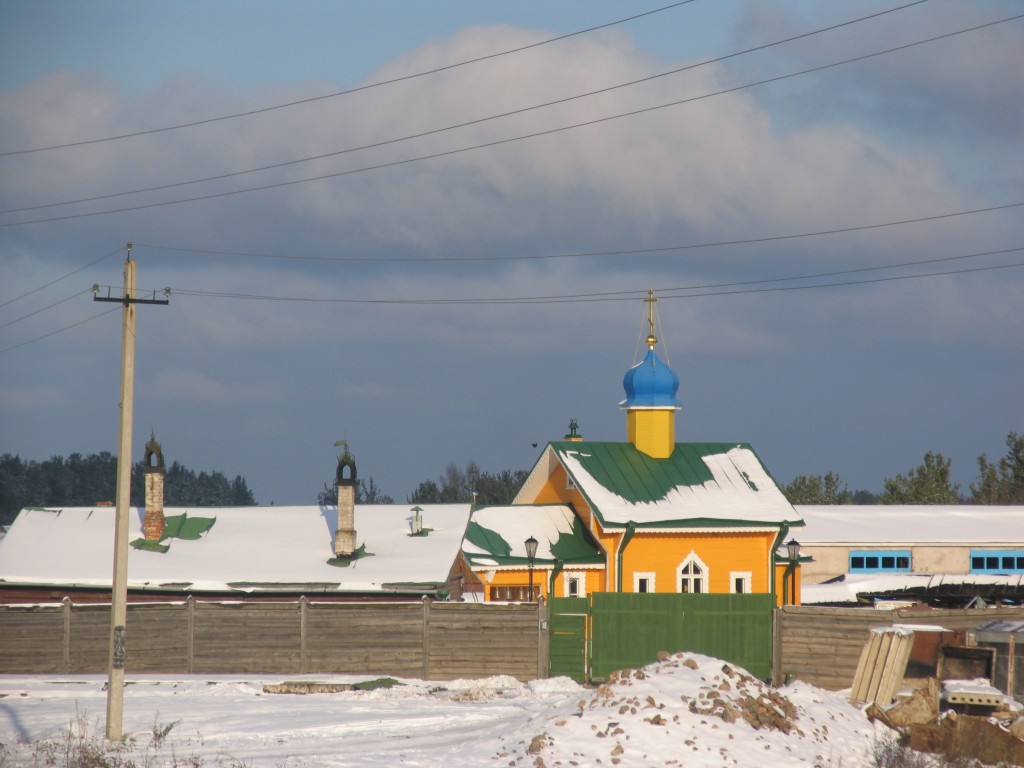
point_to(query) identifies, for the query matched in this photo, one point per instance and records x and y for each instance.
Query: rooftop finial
(651, 301)
(574, 436)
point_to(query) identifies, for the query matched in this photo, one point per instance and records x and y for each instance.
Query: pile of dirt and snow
(693, 710)
(684, 710)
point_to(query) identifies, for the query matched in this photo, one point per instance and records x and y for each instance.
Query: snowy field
(685, 710)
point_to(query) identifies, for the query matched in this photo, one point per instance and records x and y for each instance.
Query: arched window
(692, 575)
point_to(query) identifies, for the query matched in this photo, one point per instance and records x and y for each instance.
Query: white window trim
(649, 575)
(581, 576)
(748, 581)
(705, 572)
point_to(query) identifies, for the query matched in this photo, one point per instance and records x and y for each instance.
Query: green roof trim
(637, 477)
(707, 522)
(148, 545)
(344, 561)
(193, 528)
(177, 527)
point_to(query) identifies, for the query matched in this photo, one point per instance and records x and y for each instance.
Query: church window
(692, 575)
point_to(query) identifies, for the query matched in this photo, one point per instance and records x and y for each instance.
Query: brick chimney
(153, 523)
(345, 480)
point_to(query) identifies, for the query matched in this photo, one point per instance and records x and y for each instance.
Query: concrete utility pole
(119, 591)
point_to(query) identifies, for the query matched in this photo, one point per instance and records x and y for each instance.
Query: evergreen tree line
(454, 486)
(85, 480)
(1001, 482)
(82, 481)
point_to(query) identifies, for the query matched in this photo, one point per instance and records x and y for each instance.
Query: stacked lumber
(882, 665)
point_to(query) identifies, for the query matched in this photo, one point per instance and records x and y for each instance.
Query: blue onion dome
(651, 384)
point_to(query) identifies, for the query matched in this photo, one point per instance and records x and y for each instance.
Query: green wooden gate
(567, 653)
(609, 631)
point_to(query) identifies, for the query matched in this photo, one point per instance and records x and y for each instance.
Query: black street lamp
(793, 550)
(531, 553)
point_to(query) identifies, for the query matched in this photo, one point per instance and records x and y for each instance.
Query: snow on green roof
(247, 549)
(698, 485)
(495, 536)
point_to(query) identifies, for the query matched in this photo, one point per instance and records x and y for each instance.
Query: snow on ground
(685, 710)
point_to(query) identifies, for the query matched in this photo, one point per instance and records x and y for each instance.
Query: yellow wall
(785, 585)
(593, 582)
(652, 431)
(556, 491)
(724, 554)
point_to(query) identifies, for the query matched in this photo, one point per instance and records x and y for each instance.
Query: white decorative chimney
(345, 534)
(153, 524)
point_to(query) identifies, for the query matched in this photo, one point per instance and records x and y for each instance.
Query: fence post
(191, 631)
(777, 646)
(543, 640)
(67, 634)
(426, 637)
(303, 604)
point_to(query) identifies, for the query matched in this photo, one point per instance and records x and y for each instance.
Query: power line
(42, 309)
(666, 293)
(581, 254)
(631, 295)
(478, 121)
(59, 330)
(500, 142)
(349, 90)
(849, 282)
(535, 257)
(62, 277)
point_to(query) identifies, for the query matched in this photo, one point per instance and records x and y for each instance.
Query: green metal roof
(488, 540)
(635, 476)
(560, 533)
(698, 485)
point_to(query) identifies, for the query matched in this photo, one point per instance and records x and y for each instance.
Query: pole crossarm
(124, 298)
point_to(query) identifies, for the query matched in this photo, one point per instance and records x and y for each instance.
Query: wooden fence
(430, 641)
(821, 646)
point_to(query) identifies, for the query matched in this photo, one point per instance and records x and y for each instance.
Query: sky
(439, 250)
(643, 718)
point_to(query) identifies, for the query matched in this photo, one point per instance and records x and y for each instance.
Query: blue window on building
(879, 561)
(997, 561)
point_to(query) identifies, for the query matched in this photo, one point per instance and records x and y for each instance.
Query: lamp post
(531, 553)
(793, 550)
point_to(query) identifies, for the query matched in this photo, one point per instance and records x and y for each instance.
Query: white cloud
(837, 150)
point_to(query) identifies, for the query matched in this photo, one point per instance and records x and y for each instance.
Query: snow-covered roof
(846, 589)
(700, 485)
(496, 537)
(244, 549)
(906, 525)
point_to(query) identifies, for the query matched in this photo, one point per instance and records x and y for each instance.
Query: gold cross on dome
(651, 300)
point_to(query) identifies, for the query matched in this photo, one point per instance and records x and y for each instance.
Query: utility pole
(119, 590)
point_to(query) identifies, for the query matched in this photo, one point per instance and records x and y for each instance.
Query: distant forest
(81, 481)
(999, 482)
(84, 480)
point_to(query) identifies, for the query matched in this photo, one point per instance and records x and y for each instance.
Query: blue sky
(411, 308)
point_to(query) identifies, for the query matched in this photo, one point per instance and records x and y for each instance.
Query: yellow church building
(646, 515)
